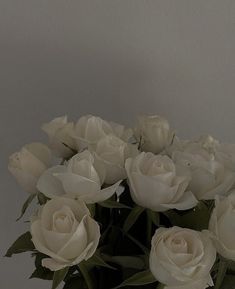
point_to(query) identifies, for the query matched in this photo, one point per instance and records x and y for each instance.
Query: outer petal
(149, 193)
(53, 265)
(222, 189)
(25, 180)
(49, 184)
(77, 186)
(187, 201)
(77, 244)
(39, 242)
(113, 172)
(222, 249)
(30, 163)
(93, 233)
(41, 151)
(197, 284)
(102, 195)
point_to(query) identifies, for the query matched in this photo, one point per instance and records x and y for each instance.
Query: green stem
(86, 275)
(149, 228)
(223, 265)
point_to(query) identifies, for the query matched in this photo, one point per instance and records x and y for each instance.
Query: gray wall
(115, 59)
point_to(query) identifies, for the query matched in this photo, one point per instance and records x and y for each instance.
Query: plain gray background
(111, 58)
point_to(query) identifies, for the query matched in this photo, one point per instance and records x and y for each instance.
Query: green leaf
(141, 278)
(40, 271)
(42, 199)
(25, 205)
(22, 244)
(132, 218)
(86, 275)
(96, 260)
(113, 205)
(59, 277)
(229, 282)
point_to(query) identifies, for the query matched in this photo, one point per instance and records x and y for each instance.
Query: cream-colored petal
(113, 172)
(93, 235)
(222, 189)
(54, 240)
(187, 201)
(30, 163)
(196, 284)
(103, 194)
(76, 245)
(40, 244)
(53, 265)
(49, 184)
(25, 180)
(76, 185)
(149, 193)
(40, 151)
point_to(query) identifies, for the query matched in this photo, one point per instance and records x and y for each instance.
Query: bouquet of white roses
(133, 208)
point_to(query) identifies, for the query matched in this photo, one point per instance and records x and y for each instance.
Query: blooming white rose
(28, 164)
(90, 129)
(209, 177)
(154, 133)
(65, 232)
(60, 133)
(182, 258)
(155, 183)
(222, 226)
(110, 155)
(77, 179)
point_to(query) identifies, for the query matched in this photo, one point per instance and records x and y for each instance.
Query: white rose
(90, 129)
(222, 226)
(154, 133)
(110, 155)
(209, 177)
(155, 184)
(77, 179)
(28, 164)
(182, 258)
(61, 136)
(65, 232)
(226, 155)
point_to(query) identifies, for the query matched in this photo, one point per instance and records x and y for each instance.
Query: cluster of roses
(164, 174)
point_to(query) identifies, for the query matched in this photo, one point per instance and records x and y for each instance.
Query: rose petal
(49, 184)
(76, 245)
